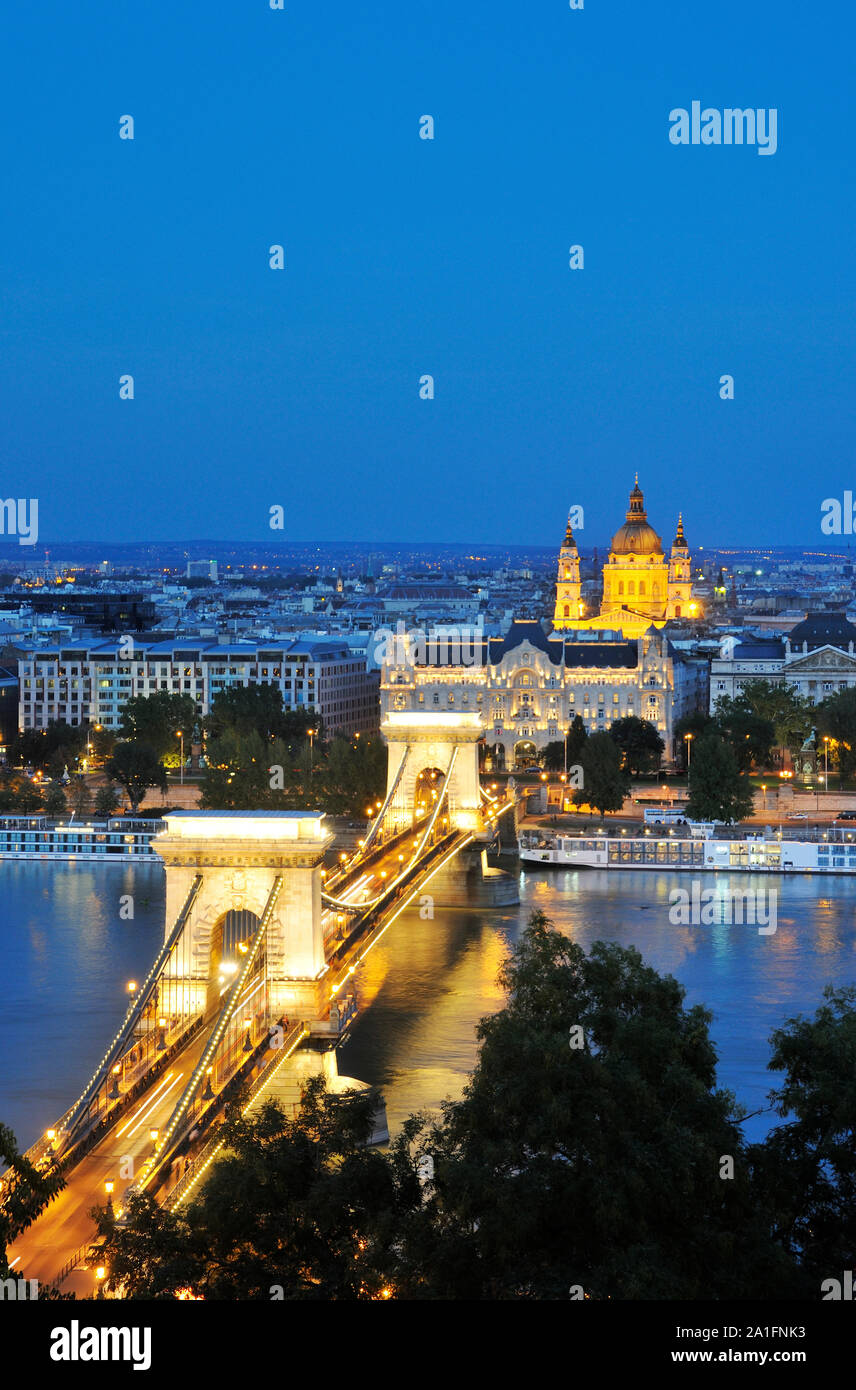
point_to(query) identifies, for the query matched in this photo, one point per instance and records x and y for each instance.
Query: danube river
(66, 957)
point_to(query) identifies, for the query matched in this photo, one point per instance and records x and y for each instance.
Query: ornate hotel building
(527, 687)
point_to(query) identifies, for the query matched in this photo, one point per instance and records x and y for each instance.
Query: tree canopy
(718, 789)
(591, 1151)
(640, 743)
(605, 782)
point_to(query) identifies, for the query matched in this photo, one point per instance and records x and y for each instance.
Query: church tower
(680, 595)
(569, 606)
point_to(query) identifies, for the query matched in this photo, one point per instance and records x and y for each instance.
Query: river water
(66, 957)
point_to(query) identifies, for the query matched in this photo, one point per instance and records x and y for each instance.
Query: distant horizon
(9, 549)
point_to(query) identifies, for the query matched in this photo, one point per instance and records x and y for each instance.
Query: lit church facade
(527, 686)
(640, 585)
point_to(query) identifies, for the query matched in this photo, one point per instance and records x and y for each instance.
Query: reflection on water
(430, 982)
(66, 956)
(65, 960)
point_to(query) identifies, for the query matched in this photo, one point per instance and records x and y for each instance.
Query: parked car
(846, 815)
(797, 815)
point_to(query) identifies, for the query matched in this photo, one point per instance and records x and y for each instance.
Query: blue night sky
(255, 387)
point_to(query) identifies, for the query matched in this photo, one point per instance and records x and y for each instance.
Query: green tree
(836, 717)
(27, 1190)
(576, 738)
(553, 757)
(80, 797)
(640, 743)
(155, 720)
(751, 735)
(718, 789)
(103, 742)
(106, 800)
(59, 743)
(807, 1165)
(55, 803)
(791, 714)
(136, 767)
(587, 1149)
(303, 1203)
(605, 782)
(247, 709)
(238, 775)
(351, 774)
(694, 724)
(19, 794)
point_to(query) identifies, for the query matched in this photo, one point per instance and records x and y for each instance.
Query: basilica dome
(636, 537)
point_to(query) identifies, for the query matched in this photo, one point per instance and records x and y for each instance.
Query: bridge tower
(422, 743)
(239, 855)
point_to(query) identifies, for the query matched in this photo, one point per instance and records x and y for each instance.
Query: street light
(826, 766)
(180, 734)
(689, 742)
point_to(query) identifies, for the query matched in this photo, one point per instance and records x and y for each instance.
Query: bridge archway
(231, 936)
(240, 856)
(429, 749)
(525, 753)
(428, 787)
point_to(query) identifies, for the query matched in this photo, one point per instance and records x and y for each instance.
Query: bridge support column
(430, 740)
(240, 855)
(469, 881)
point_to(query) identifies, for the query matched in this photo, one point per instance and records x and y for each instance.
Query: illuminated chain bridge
(260, 947)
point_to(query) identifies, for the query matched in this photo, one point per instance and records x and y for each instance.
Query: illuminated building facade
(640, 585)
(527, 688)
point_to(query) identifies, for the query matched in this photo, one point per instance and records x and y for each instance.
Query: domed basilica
(641, 586)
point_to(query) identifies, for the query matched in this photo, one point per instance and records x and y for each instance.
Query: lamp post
(180, 734)
(826, 766)
(688, 738)
(311, 735)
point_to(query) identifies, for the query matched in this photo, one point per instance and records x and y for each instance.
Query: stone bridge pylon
(240, 855)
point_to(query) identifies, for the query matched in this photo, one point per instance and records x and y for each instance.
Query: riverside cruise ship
(759, 854)
(37, 837)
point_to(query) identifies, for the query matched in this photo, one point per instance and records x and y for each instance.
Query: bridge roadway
(64, 1229)
(45, 1248)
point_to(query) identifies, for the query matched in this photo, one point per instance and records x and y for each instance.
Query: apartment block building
(89, 681)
